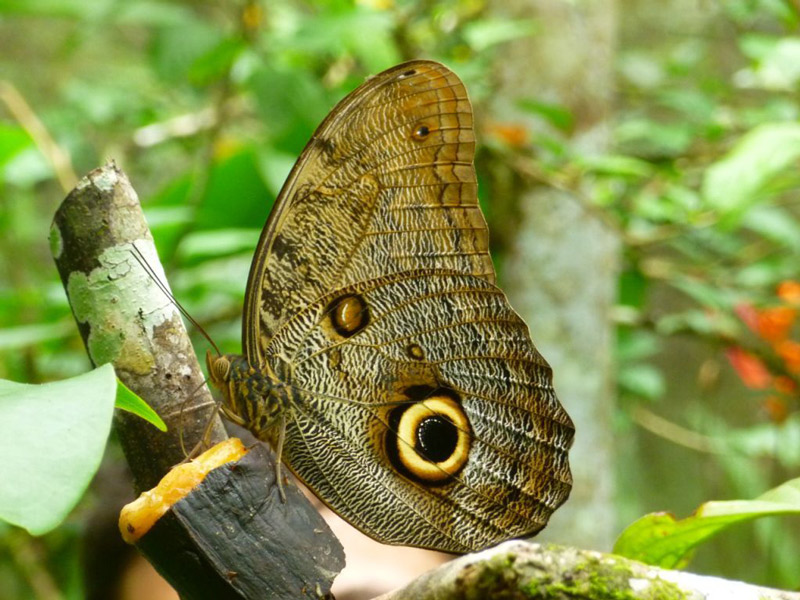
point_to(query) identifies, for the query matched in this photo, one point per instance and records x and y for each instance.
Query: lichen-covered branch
(125, 319)
(519, 569)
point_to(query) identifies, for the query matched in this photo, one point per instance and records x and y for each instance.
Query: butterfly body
(379, 357)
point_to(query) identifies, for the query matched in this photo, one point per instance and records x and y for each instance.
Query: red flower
(751, 370)
(789, 292)
(789, 351)
(774, 323)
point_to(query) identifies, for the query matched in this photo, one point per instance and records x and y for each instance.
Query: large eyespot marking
(437, 438)
(348, 314)
(429, 438)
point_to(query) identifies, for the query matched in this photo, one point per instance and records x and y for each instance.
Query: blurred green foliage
(207, 105)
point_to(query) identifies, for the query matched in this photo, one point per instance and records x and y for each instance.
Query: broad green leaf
(757, 46)
(660, 539)
(742, 177)
(237, 174)
(128, 401)
(52, 438)
(176, 48)
(365, 33)
(27, 168)
(290, 102)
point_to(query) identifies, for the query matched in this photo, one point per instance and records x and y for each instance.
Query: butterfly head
(254, 398)
(220, 370)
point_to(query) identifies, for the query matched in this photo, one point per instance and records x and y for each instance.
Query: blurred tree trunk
(562, 262)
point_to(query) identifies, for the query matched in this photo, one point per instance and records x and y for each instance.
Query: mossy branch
(519, 569)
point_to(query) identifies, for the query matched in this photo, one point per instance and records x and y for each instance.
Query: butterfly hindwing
(431, 341)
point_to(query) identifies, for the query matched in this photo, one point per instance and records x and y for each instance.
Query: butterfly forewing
(385, 185)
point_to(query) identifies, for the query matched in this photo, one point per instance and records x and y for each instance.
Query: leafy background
(206, 106)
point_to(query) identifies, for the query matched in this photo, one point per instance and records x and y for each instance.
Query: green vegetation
(207, 105)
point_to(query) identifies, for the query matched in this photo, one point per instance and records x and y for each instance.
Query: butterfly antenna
(165, 290)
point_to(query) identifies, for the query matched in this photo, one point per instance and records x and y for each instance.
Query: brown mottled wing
(347, 391)
(385, 185)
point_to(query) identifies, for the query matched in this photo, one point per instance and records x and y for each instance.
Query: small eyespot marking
(348, 314)
(415, 352)
(421, 132)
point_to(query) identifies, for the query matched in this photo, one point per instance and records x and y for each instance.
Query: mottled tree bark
(125, 319)
(562, 263)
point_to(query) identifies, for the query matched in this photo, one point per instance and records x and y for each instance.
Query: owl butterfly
(380, 359)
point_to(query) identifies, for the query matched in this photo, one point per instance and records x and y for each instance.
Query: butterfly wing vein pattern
(413, 401)
(385, 185)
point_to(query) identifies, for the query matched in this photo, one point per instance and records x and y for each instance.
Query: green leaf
(642, 380)
(213, 64)
(705, 322)
(774, 223)
(778, 68)
(24, 336)
(616, 165)
(203, 245)
(13, 140)
(486, 33)
(557, 115)
(127, 400)
(636, 344)
(660, 539)
(652, 138)
(741, 178)
(52, 438)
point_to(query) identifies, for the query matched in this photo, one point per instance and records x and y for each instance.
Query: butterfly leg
(203, 443)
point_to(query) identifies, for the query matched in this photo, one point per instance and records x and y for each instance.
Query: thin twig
(30, 122)
(673, 432)
(30, 562)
